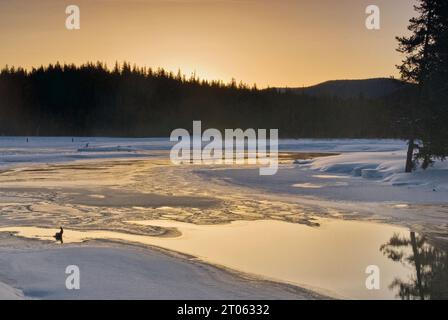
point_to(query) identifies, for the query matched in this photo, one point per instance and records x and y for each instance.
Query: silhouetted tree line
(92, 100)
(125, 101)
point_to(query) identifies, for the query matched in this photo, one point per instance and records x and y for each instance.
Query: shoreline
(288, 256)
(232, 284)
(102, 195)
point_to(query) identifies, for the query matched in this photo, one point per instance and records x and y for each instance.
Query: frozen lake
(58, 149)
(318, 223)
(331, 259)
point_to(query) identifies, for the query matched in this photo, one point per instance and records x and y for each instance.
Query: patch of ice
(106, 149)
(302, 162)
(329, 176)
(307, 185)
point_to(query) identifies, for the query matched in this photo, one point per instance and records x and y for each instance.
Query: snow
(359, 170)
(126, 273)
(341, 145)
(373, 169)
(17, 150)
(386, 167)
(362, 178)
(307, 256)
(107, 149)
(9, 293)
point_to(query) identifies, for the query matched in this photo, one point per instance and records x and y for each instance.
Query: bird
(58, 235)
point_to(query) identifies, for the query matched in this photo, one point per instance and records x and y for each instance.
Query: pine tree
(435, 134)
(424, 62)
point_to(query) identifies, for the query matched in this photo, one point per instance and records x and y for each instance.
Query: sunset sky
(269, 42)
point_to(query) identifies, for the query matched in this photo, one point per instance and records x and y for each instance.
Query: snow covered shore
(387, 167)
(9, 293)
(42, 186)
(351, 176)
(123, 272)
(22, 150)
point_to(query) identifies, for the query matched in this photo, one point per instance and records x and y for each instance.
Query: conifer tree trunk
(410, 156)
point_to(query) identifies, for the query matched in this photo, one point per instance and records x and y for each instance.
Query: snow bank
(387, 167)
(364, 170)
(23, 150)
(341, 145)
(9, 293)
(127, 273)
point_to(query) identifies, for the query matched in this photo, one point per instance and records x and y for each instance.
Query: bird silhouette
(58, 235)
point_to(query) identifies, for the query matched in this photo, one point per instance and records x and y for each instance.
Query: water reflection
(430, 267)
(330, 259)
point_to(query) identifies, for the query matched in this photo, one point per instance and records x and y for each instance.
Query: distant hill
(368, 88)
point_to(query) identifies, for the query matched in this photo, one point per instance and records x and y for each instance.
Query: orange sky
(268, 42)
